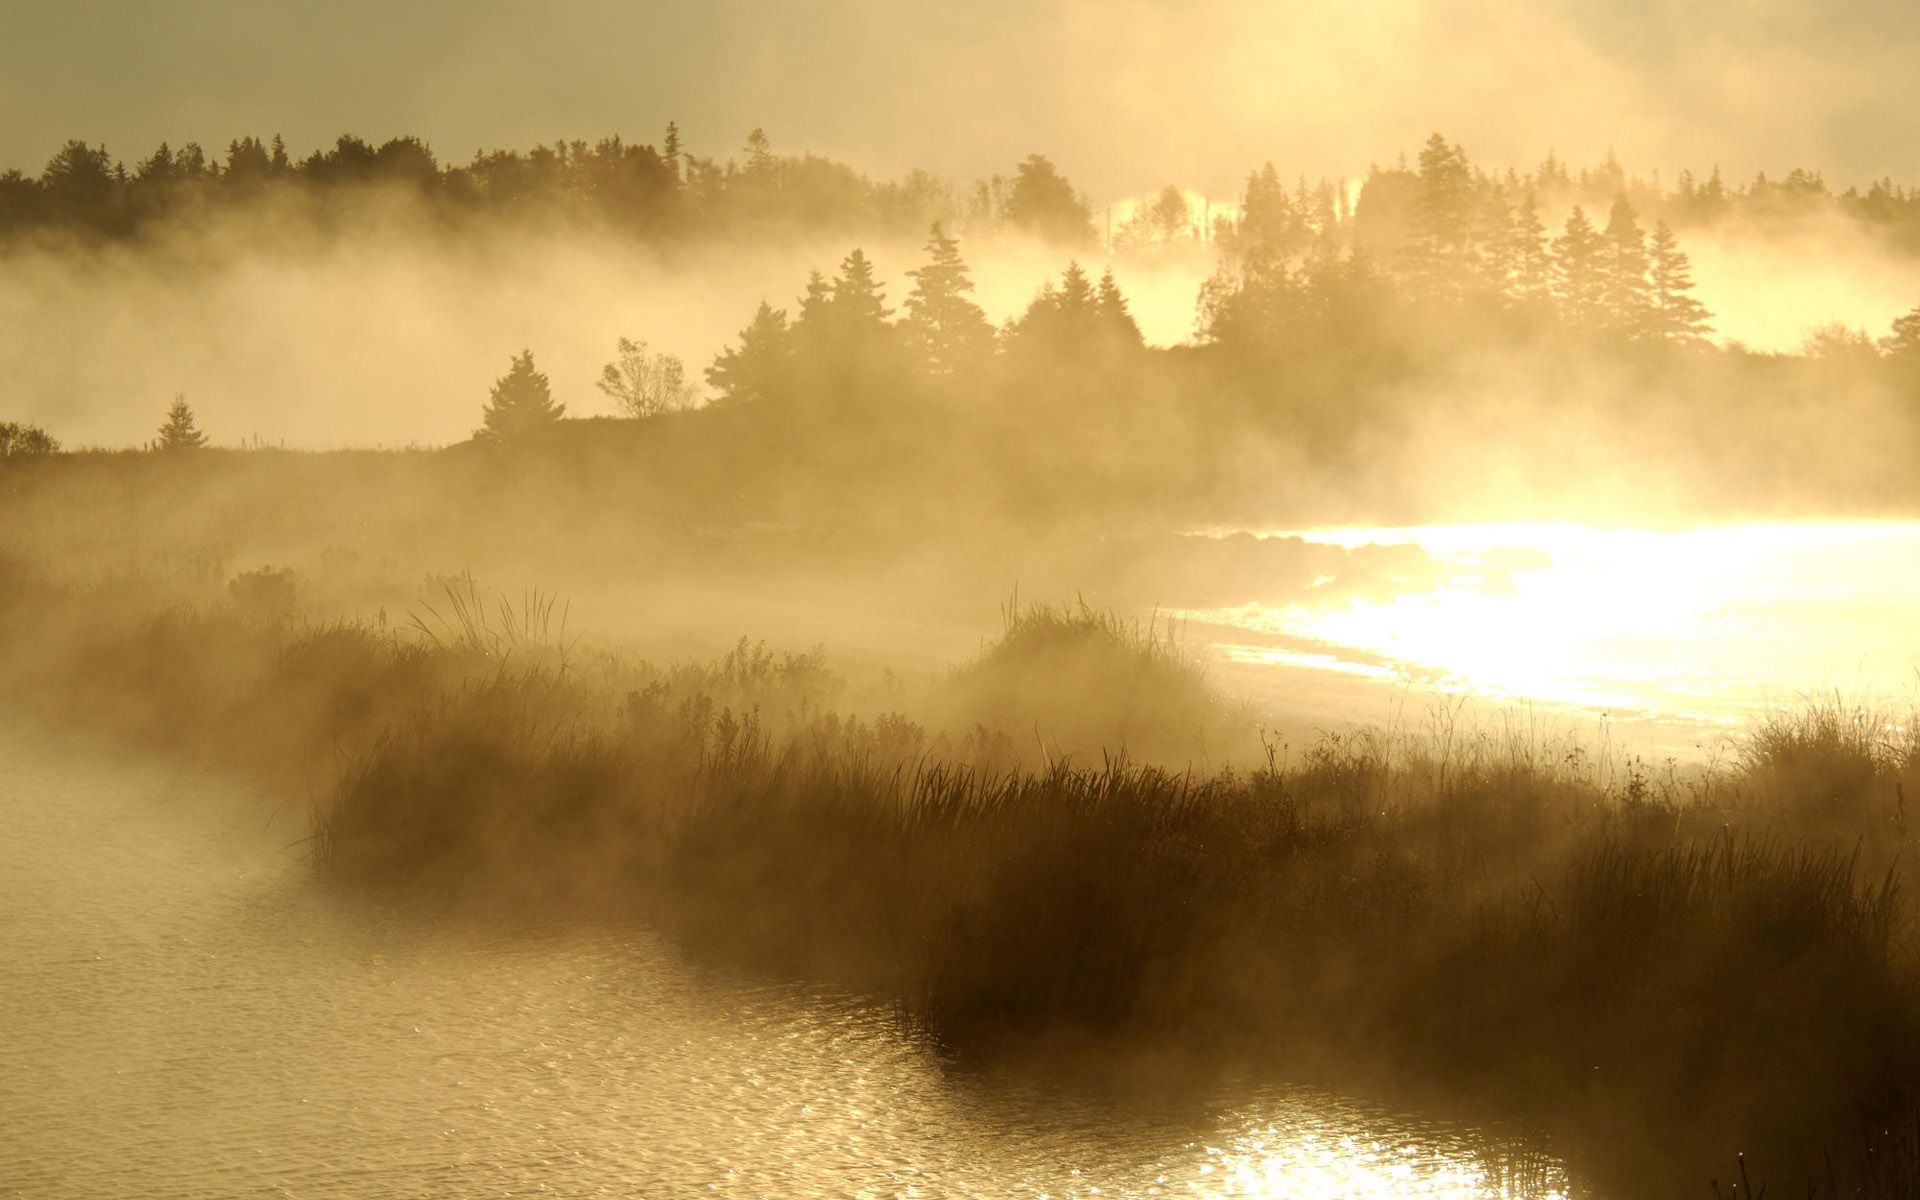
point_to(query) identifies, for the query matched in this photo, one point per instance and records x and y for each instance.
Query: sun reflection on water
(1709, 623)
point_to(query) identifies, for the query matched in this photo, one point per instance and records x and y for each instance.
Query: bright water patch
(1714, 624)
(185, 1012)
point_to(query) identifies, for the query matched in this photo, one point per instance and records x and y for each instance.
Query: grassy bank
(1661, 969)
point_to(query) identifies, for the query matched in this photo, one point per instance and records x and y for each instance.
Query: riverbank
(1662, 969)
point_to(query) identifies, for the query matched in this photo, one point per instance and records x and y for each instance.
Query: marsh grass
(1658, 967)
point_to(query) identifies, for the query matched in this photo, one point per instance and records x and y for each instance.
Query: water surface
(185, 1012)
(1706, 627)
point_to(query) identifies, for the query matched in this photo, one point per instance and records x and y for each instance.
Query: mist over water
(188, 1016)
(1689, 630)
(1106, 598)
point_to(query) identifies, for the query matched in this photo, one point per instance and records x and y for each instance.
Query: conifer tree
(815, 304)
(859, 304)
(1441, 257)
(759, 369)
(1675, 314)
(1268, 222)
(1625, 270)
(1076, 295)
(1579, 270)
(1112, 309)
(1496, 242)
(945, 327)
(1532, 275)
(178, 433)
(520, 406)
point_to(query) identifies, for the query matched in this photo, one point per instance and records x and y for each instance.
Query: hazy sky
(1125, 94)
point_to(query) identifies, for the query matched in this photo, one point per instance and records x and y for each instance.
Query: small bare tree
(645, 384)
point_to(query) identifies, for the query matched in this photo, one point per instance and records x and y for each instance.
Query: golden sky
(1125, 94)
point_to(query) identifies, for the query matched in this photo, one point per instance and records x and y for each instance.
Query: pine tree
(1112, 309)
(178, 433)
(859, 305)
(521, 406)
(1495, 237)
(760, 369)
(1441, 257)
(1579, 271)
(1625, 270)
(815, 305)
(759, 152)
(1076, 296)
(943, 325)
(672, 154)
(1532, 275)
(1675, 315)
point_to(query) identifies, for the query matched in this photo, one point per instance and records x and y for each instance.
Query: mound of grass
(1076, 682)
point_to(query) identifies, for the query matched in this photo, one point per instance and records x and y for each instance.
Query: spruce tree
(179, 434)
(1111, 308)
(1441, 257)
(521, 406)
(1628, 307)
(759, 369)
(1675, 315)
(859, 304)
(945, 328)
(1579, 271)
(1532, 276)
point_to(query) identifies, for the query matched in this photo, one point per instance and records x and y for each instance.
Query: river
(1681, 635)
(185, 1011)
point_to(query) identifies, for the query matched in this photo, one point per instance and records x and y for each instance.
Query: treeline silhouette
(664, 188)
(661, 189)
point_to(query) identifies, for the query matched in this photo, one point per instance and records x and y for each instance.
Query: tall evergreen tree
(1441, 257)
(521, 406)
(1111, 307)
(859, 304)
(760, 368)
(1496, 242)
(1532, 275)
(1675, 315)
(815, 305)
(945, 327)
(1625, 269)
(178, 433)
(1579, 271)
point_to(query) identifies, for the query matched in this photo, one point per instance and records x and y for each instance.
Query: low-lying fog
(389, 333)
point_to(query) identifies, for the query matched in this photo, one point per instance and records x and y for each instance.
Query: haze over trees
(1437, 341)
(666, 191)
